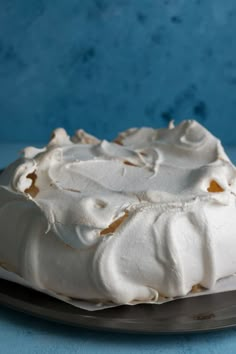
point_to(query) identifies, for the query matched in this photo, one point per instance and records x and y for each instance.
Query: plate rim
(21, 306)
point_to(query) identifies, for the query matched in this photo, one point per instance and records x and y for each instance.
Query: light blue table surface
(21, 333)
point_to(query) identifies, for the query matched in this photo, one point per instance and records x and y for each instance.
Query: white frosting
(172, 191)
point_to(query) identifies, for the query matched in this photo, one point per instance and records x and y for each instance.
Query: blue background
(106, 65)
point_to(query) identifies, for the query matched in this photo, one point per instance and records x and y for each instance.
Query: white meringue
(148, 216)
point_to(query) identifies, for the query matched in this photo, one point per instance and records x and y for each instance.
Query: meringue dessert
(149, 216)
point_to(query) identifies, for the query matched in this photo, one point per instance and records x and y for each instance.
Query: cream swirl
(151, 214)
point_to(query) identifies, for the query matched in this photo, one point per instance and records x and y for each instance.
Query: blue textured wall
(106, 65)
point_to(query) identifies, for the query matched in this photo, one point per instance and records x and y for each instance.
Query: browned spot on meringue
(82, 137)
(118, 141)
(53, 135)
(197, 288)
(126, 162)
(215, 187)
(72, 190)
(162, 297)
(113, 226)
(32, 190)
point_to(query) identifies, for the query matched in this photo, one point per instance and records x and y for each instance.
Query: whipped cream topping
(147, 216)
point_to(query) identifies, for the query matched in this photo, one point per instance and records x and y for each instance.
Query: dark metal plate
(202, 313)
